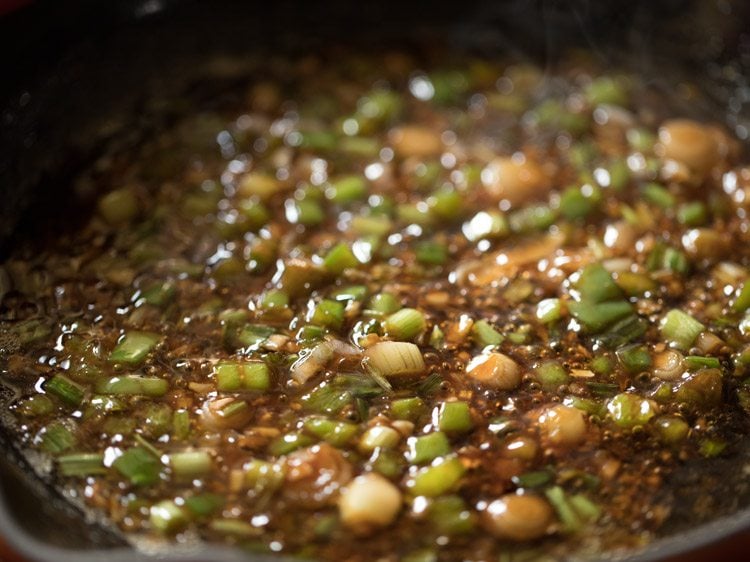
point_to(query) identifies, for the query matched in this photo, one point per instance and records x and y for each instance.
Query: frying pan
(79, 75)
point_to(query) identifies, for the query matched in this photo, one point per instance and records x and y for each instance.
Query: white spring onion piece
(313, 362)
(668, 365)
(394, 359)
(369, 501)
(494, 370)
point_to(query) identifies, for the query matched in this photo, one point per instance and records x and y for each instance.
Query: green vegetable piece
(158, 294)
(635, 358)
(636, 284)
(274, 299)
(133, 385)
(431, 253)
(630, 410)
(288, 443)
(551, 375)
(607, 91)
(571, 522)
(262, 475)
(427, 448)
(693, 213)
(133, 348)
(181, 424)
(658, 195)
(596, 317)
(405, 324)
(57, 437)
(382, 304)
(619, 174)
(167, 517)
(339, 258)
(454, 417)
(348, 189)
(742, 302)
(350, 293)
(407, 408)
(449, 515)
(549, 310)
(531, 219)
(484, 224)
(139, 466)
(602, 365)
(327, 313)
(577, 203)
(307, 212)
(60, 386)
(233, 527)
(710, 448)
(188, 465)
(204, 505)
(672, 430)
(595, 285)
(237, 376)
(484, 334)
(118, 207)
(81, 464)
(535, 479)
(439, 478)
(377, 225)
(336, 433)
(389, 462)
(35, 406)
(695, 362)
(447, 204)
(680, 329)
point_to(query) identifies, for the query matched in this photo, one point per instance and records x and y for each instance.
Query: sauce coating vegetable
(378, 309)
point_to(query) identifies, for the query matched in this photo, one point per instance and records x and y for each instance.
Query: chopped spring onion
(337, 433)
(234, 376)
(139, 466)
(57, 437)
(453, 417)
(382, 304)
(407, 408)
(348, 189)
(406, 324)
(81, 464)
(340, 258)
(395, 359)
(190, 464)
(167, 517)
(485, 335)
(135, 385)
(133, 348)
(327, 313)
(680, 329)
(435, 480)
(428, 447)
(65, 389)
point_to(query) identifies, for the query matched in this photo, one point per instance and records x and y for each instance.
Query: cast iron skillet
(78, 75)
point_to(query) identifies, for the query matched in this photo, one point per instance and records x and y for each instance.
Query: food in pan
(376, 308)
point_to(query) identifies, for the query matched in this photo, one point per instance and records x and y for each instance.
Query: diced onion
(309, 365)
(395, 359)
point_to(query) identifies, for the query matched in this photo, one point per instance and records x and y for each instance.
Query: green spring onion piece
(236, 376)
(415, 213)
(672, 430)
(531, 219)
(596, 317)
(635, 358)
(576, 203)
(710, 448)
(595, 285)
(262, 475)
(81, 464)
(234, 527)
(288, 443)
(535, 479)
(327, 313)
(446, 204)
(449, 515)
(630, 410)
(603, 389)
(588, 405)
(118, 207)
(437, 479)
(133, 348)
(693, 213)
(389, 462)
(551, 375)
(484, 334)
(139, 466)
(57, 437)
(157, 420)
(696, 362)
(274, 299)
(426, 448)
(336, 433)
(636, 284)
(549, 310)
(405, 324)
(658, 195)
(484, 224)
(233, 408)
(307, 212)
(680, 329)
(254, 213)
(378, 437)
(246, 336)
(431, 253)
(204, 505)
(35, 406)
(606, 91)
(623, 331)
(65, 389)
(350, 293)
(187, 465)
(619, 174)
(407, 408)
(437, 337)
(454, 417)
(742, 302)
(570, 520)
(340, 258)
(348, 189)
(318, 140)
(167, 517)
(181, 424)
(585, 508)
(360, 146)
(310, 334)
(158, 294)
(448, 86)
(373, 225)
(382, 304)
(133, 385)
(602, 365)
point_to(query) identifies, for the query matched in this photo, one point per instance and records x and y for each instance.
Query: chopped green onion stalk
(133, 348)
(406, 324)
